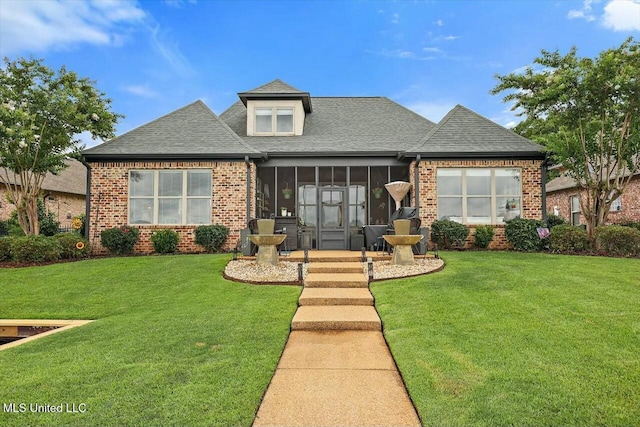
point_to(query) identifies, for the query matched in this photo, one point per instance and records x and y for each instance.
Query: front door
(333, 230)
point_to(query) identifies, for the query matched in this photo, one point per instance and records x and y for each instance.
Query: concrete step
(336, 280)
(335, 267)
(336, 296)
(336, 318)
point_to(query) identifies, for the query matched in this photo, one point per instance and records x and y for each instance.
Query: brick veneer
(630, 203)
(62, 205)
(109, 201)
(531, 176)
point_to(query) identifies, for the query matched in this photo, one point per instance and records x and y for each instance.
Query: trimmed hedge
(617, 240)
(5, 248)
(35, 249)
(449, 234)
(119, 240)
(483, 236)
(523, 234)
(165, 241)
(212, 237)
(73, 245)
(569, 239)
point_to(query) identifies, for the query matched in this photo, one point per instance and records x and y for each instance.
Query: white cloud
(170, 51)
(178, 4)
(433, 111)
(40, 26)
(432, 49)
(584, 13)
(439, 23)
(401, 54)
(140, 90)
(395, 19)
(622, 15)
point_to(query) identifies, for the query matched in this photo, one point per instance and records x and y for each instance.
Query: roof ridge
(273, 82)
(227, 128)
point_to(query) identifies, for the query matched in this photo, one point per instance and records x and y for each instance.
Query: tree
(41, 114)
(586, 112)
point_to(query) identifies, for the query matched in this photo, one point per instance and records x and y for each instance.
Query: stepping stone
(336, 280)
(335, 267)
(336, 318)
(336, 296)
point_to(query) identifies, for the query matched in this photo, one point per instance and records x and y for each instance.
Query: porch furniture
(288, 225)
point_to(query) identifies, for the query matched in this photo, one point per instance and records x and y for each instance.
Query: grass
(502, 338)
(173, 343)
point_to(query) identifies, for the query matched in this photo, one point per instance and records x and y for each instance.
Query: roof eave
(524, 155)
(88, 157)
(305, 97)
(325, 154)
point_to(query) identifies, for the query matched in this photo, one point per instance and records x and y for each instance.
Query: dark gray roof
(560, 183)
(464, 133)
(277, 89)
(342, 125)
(193, 131)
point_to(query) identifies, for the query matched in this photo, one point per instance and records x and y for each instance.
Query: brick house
(323, 161)
(563, 198)
(64, 194)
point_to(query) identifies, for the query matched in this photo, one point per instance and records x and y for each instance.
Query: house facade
(320, 162)
(563, 199)
(63, 194)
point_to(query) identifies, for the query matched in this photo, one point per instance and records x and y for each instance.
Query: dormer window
(268, 119)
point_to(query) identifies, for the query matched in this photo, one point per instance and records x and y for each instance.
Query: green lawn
(173, 343)
(502, 338)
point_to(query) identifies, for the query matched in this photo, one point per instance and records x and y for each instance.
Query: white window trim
(274, 120)
(493, 196)
(156, 197)
(572, 211)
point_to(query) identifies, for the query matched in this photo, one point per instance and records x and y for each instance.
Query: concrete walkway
(336, 369)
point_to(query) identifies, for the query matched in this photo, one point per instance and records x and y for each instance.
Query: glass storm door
(333, 230)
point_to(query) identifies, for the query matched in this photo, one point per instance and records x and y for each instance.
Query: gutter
(416, 184)
(171, 157)
(246, 161)
(87, 209)
(543, 185)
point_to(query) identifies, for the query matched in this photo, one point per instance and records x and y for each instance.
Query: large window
(574, 202)
(274, 121)
(479, 196)
(170, 197)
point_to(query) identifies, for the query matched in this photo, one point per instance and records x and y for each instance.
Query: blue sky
(152, 57)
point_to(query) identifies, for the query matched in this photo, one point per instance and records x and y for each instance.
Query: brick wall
(109, 201)
(630, 203)
(531, 190)
(62, 205)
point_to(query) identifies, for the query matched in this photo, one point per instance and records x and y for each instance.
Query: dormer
(276, 109)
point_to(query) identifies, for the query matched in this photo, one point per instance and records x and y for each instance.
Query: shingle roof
(193, 130)
(277, 89)
(342, 124)
(464, 132)
(560, 183)
(72, 179)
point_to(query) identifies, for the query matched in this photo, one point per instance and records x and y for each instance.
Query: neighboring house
(563, 198)
(324, 160)
(64, 194)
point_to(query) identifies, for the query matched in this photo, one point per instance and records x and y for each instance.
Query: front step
(335, 296)
(336, 318)
(333, 280)
(335, 267)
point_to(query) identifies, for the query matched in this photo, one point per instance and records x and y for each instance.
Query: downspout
(543, 174)
(246, 161)
(416, 184)
(87, 209)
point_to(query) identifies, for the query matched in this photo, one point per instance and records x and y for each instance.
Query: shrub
(165, 241)
(523, 234)
(35, 249)
(483, 236)
(554, 220)
(4, 228)
(119, 240)
(212, 237)
(47, 221)
(617, 240)
(5, 248)
(629, 223)
(73, 246)
(449, 234)
(568, 239)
